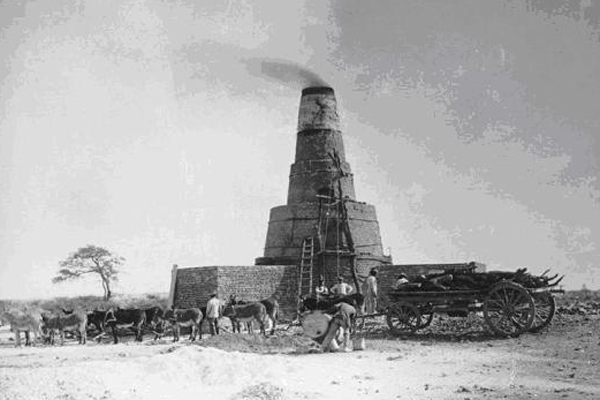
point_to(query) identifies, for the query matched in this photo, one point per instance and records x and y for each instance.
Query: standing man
(213, 311)
(321, 290)
(341, 288)
(369, 289)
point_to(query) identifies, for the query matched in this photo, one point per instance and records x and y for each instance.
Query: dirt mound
(261, 391)
(280, 343)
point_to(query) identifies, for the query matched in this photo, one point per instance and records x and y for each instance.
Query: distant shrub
(87, 303)
(578, 295)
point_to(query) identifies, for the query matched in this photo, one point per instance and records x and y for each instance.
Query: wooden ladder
(305, 279)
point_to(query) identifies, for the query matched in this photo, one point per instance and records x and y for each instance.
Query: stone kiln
(320, 185)
(321, 207)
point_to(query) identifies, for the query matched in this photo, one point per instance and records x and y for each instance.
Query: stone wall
(250, 283)
(290, 224)
(193, 286)
(259, 282)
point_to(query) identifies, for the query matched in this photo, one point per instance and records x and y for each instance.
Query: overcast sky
(142, 126)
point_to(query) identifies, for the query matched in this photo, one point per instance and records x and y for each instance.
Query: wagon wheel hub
(403, 317)
(509, 310)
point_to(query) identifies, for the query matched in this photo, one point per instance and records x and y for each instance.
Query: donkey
(246, 313)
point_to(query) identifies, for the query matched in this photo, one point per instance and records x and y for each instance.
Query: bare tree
(91, 260)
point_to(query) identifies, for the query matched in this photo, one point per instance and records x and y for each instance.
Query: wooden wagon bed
(509, 308)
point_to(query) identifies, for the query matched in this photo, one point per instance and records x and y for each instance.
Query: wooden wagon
(509, 308)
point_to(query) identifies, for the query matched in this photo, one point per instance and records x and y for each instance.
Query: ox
(73, 322)
(183, 317)
(246, 313)
(23, 321)
(126, 318)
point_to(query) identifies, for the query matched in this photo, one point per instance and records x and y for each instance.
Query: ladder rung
(306, 266)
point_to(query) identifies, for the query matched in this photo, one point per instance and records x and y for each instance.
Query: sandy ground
(561, 363)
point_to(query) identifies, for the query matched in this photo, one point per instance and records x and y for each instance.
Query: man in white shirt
(369, 289)
(402, 279)
(213, 312)
(341, 288)
(321, 290)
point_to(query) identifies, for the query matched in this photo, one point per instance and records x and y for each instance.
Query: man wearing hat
(402, 280)
(369, 289)
(341, 288)
(213, 312)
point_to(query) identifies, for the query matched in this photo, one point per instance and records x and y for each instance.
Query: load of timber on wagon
(468, 280)
(512, 302)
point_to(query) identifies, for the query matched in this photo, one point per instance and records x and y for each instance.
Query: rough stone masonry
(320, 179)
(320, 184)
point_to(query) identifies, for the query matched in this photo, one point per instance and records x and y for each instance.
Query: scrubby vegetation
(88, 302)
(583, 295)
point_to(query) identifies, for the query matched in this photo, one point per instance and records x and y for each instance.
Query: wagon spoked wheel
(509, 309)
(403, 317)
(545, 307)
(426, 316)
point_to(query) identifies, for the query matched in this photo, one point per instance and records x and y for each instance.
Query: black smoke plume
(284, 71)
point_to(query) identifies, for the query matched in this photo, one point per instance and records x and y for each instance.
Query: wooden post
(345, 220)
(171, 299)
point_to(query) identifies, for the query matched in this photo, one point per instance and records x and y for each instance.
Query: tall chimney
(319, 139)
(318, 109)
(319, 178)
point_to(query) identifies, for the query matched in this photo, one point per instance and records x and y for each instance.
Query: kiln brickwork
(249, 282)
(319, 179)
(193, 286)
